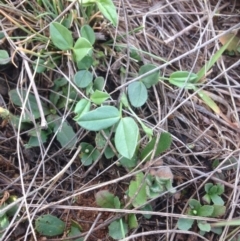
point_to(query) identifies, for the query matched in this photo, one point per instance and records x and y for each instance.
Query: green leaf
(98, 97)
(115, 229)
(220, 189)
(129, 163)
(4, 57)
(98, 83)
(194, 204)
(201, 73)
(88, 33)
(39, 65)
(109, 11)
(137, 94)
(203, 226)
(86, 149)
(205, 211)
(217, 231)
(75, 230)
(150, 79)
(207, 198)
(218, 211)
(126, 137)
(61, 36)
(82, 107)
(117, 203)
(183, 79)
(216, 199)
(88, 154)
(49, 225)
(83, 78)
(207, 187)
(124, 100)
(34, 141)
(163, 144)
(81, 48)
(148, 131)
(2, 35)
(105, 199)
(85, 63)
(65, 133)
(185, 223)
(109, 153)
(132, 221)
(32, 103)
(100, 141)
(137, 189)
(13, 210)
(100, 118)
(149, 208)
(4, 223)
(183, 76)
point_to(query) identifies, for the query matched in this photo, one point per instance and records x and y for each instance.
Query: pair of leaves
(137, 91)
(127, 131)
(62, 39)
(213, 192)
(196, 209)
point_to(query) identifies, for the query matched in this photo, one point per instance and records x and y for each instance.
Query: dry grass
(185, 34)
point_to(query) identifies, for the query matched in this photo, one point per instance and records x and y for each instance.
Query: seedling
(213, 193)
(196, 209)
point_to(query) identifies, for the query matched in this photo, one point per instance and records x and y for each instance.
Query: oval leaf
(108, 9)
(184, 223)
(61, 36)
(126, 137)
(115, 229)
(81, 48)
(105, 199)
(4, 57)
(137, 189)
(150, 79)
(137, 94)
(83, 78)
(49, 225)
(163, 144)
(88, 33)
(65, 134)
(98, 97)
(183, 76)
(82, 107)
(100, 118)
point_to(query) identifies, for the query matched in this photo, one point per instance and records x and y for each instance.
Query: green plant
(196, 209)
(213, 193)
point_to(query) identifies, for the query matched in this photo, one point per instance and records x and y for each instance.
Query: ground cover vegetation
(119, 120)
